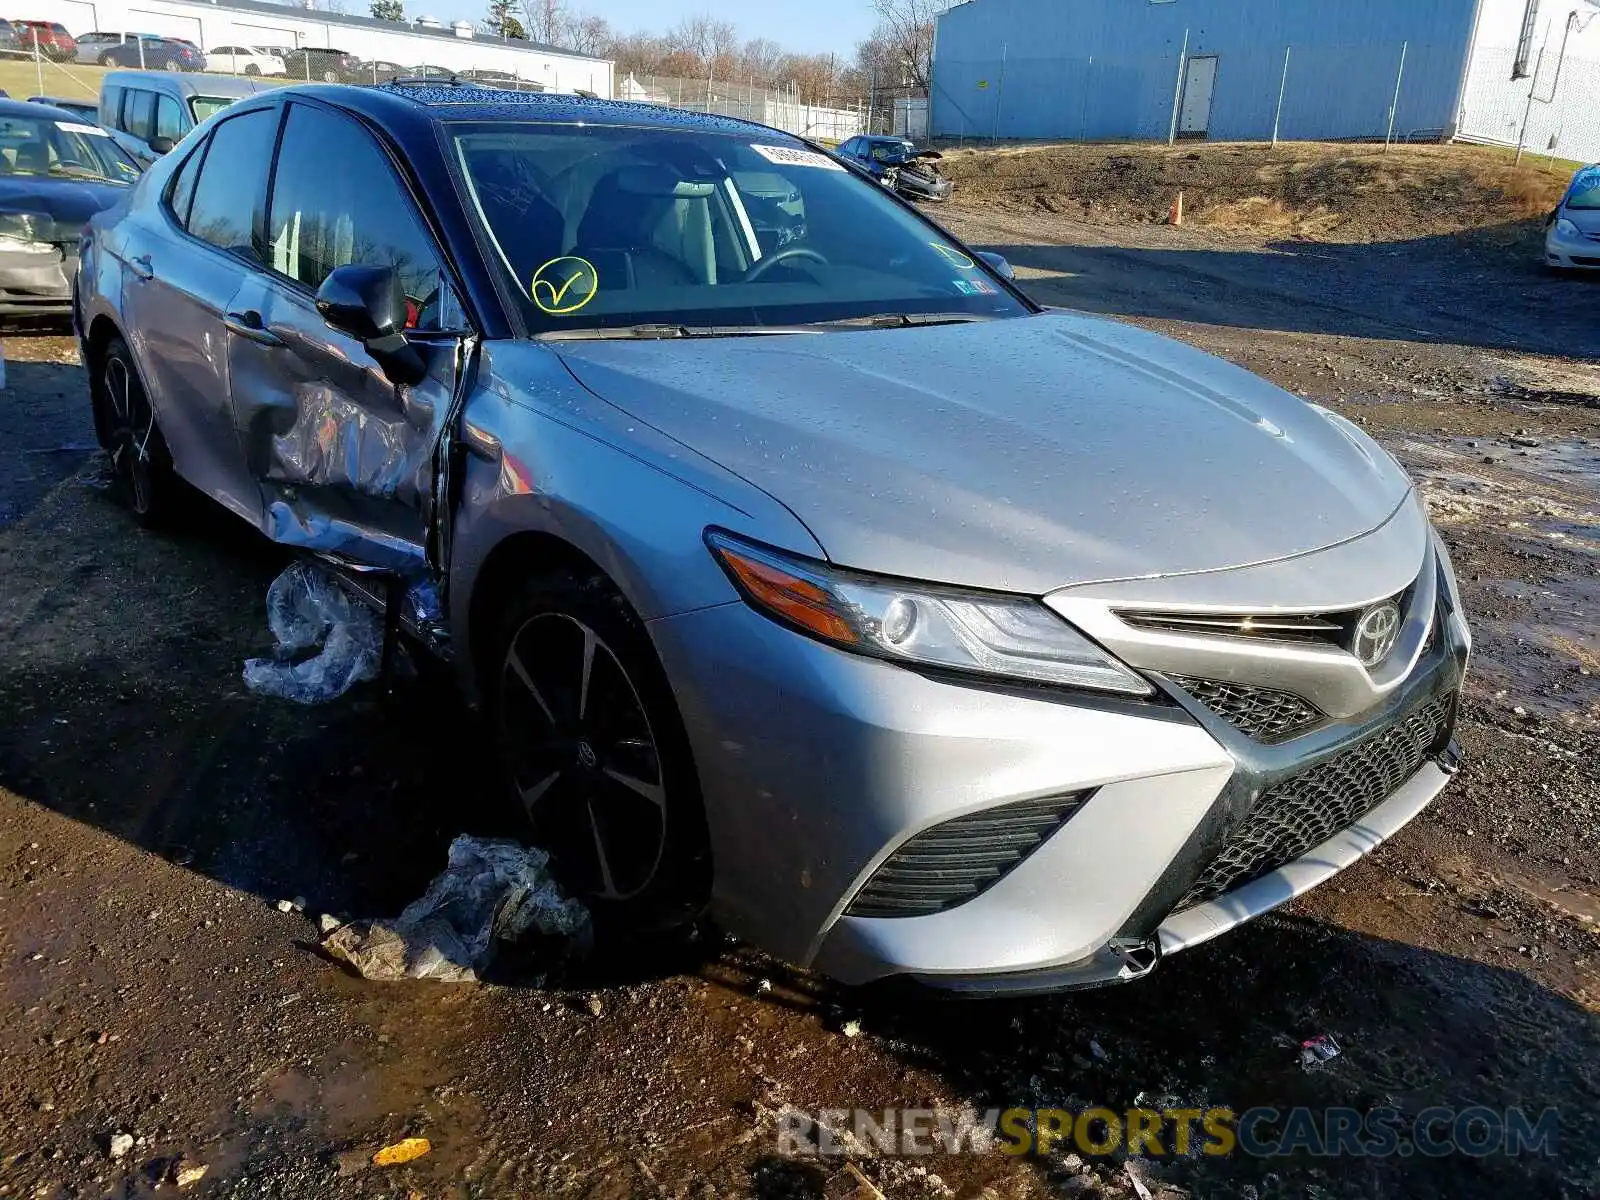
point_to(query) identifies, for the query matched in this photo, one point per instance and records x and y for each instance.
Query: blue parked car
(896, 163)
(149, 52)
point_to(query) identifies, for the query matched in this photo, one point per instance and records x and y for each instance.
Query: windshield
(1585, 191)
(618, 227)
(64, 149)
(204, 106)
(892, 152)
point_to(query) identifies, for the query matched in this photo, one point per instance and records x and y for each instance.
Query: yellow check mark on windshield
(552, 297)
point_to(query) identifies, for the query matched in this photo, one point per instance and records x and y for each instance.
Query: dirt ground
(1315, 190)
(153, 813)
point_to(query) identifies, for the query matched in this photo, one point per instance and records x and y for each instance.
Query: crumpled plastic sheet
(492, 891)
(306, 609)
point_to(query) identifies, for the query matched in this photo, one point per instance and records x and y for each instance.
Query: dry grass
(1310, 190)
(21, 79)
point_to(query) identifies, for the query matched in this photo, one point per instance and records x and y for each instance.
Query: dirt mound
(1317, 191)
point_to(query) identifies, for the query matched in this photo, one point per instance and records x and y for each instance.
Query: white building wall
(1564, 118)
(209, 25)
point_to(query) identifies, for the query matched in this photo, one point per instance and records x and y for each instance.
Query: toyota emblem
(1377, 632)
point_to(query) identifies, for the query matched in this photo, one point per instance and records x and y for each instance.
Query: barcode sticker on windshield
(793, 156)
(74, 127)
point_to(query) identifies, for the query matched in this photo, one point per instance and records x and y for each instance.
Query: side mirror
(162, 145)
(998, 261)
(368, 304)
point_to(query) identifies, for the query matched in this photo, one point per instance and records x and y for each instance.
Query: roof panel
(484, 103)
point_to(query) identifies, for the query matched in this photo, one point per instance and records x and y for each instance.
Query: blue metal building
(1135, 69)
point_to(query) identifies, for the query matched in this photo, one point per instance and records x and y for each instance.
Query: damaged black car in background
(56, 171)
(896, 163)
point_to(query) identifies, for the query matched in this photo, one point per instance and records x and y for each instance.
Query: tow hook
(1138, 957)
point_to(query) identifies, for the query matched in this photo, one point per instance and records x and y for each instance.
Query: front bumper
(37, 284)
(1581, 253)
(916, 188)
(817, 766)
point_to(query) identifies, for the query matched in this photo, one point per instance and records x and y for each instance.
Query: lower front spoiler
(36, 284)
(1121, 961)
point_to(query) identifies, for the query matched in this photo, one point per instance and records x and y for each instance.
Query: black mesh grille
(1268, 716)
(953, 862)
(1296, 816)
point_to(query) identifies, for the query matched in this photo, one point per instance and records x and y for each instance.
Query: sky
(805, 26)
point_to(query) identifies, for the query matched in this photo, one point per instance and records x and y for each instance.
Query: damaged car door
(177, 290)
(340, 439)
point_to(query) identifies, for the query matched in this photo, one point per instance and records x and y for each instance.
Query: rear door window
(139, 113)
(232, 188)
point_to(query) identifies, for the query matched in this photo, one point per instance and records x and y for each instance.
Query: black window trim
(409, 194)
(198, 157)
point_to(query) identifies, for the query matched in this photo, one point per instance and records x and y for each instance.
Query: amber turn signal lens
(789, 596)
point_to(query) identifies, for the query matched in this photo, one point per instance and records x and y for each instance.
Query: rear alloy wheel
(174, 65)
(140, 461)
(251, 69)
(596, 755)
(107, 60)
(330, 76)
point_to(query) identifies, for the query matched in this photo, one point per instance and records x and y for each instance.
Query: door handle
(249, 326)
(142, 268)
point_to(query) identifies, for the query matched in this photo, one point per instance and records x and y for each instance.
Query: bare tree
(906, 28)
(588, 35)
(760, 59)
(545, 19)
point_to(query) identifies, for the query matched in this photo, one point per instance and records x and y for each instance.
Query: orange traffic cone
(1175, 213)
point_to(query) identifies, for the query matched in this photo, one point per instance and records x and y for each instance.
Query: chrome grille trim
(950, 863)
(1265, 714)
(1292, 818)
(1287, 628)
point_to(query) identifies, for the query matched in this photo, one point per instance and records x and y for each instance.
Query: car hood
(70, 202)
(1022, 455)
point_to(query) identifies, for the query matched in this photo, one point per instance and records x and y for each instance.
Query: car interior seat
(33, 156)
(645, 226)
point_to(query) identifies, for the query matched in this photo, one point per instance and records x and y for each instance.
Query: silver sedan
(804, 569)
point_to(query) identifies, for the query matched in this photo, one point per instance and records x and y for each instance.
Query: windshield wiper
(663, 332)
(77, 172)
(901, 320)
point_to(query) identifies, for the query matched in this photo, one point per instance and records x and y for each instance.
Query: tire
(330, 76)
(251, 69)
(141, 464)
(596, 759)
(174, 65)
(107, 60)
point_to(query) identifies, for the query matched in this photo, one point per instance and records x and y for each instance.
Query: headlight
(24, 231)
(1003, 637)
(1566, 229)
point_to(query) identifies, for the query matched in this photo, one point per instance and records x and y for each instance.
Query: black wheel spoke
(583, 757)
(519, 672)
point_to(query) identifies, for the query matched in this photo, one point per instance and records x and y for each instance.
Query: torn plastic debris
(307, 609)
(492, 891)
(1315, 1052)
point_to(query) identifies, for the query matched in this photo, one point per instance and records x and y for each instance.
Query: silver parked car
(803, 567)
(1572, 236)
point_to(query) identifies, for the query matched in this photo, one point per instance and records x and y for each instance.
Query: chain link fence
(782, 108)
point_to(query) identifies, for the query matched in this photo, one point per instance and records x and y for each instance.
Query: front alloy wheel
(596, 756)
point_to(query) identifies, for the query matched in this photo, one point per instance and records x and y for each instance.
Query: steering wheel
(784, 255)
